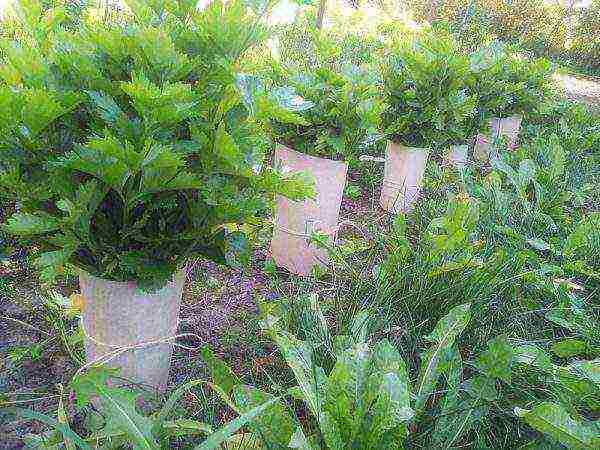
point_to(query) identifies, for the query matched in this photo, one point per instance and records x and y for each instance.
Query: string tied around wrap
(393, 184)
(292, 232)
(118, 350)
(310, 228)
(331, 232)
(369, 158)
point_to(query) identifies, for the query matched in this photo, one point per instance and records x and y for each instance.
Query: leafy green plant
(425, 86)
(362, 403)
(565, 417)
(367, 400)
(122, 424)
(507, 84)
(134, 145)
(583, 243)
(555, 421)
(344, 117)
(524, 199)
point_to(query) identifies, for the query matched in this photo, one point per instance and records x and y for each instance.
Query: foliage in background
(130, 145)
(584, 50)
(562, 31)
(302, 47)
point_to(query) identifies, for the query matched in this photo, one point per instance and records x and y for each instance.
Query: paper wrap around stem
(507, 128)
(117, 314)
(295, 221)
(403, 177)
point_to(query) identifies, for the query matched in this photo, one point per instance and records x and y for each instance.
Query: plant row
(132, 145)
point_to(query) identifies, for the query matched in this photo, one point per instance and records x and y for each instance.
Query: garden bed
(150, 159)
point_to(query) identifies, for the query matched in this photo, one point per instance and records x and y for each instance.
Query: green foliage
(554, 420)
(472, 322)
(447, 237)
(343, 119)
(533, 24)
(275, 428)
(335, 69)
(348, 403)
(501, 247)
(122, 425)
(496, 361)
(507, 84)
(132, 144)
(584, 241)
(353, 191)
(363, 403)
(442, 337)
(585, 47)
(524, 199)
(119, 407)
(425, 83)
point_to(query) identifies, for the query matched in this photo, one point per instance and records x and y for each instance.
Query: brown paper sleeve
(119, 314)
(403, 177)
(295, 221)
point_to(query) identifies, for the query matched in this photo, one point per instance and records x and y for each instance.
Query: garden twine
(331, 232)
(119, 349)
